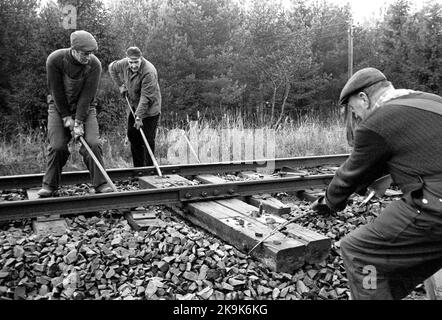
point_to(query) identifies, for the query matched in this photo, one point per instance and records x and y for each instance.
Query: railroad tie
(141, 219)
(46, 225)
(317, 245)
(267, 202)
(280, 253)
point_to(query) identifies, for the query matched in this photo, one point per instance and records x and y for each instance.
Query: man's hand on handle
(123, 91)
(78, 129)
(68, 122)
(138, 123)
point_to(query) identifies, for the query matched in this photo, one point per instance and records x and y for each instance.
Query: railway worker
(73, 75)
(137, 79)
(400, 132)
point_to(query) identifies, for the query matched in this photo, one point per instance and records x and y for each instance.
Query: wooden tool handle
(145, 142)
(100, 167)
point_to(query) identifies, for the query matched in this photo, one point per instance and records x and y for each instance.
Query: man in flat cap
(137, 79)
(73, 75)
(400, 133)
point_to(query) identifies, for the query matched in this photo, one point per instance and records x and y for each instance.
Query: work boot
(104, 188)
(45, 192)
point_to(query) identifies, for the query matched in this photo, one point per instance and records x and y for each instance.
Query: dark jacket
(143, 88)
(401, 140)
(72, 85)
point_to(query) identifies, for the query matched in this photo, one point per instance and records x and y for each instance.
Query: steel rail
(75, 177)
(13, 210)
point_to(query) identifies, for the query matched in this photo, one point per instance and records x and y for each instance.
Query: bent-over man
(73, 75)
(399, 132)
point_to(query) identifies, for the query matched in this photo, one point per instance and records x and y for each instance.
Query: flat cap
(83, 41)
(362, 79)
(133, 52)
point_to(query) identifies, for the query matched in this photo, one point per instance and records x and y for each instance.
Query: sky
(364, 10)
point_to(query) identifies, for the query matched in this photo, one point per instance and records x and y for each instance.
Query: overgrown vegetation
(306, 136)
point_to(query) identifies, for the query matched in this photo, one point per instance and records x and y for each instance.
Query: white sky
(367, 9)
(362, 9)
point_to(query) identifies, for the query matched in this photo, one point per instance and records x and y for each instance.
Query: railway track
(286, 178)
(226, 208)
(317, 271)
(74, 177)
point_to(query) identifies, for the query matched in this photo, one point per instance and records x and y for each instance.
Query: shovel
(378, 188)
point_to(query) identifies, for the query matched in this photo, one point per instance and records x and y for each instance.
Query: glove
(321, 207)
(68, 122)
(78, 129)
(123, 91)
(138, 123)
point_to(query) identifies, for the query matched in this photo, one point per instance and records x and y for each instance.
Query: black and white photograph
(220, 158)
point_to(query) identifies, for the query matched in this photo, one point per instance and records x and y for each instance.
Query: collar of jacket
(391, 94)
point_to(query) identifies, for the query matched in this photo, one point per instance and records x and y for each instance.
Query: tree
(275, 58)
(329, 26)
(393, 49)
(191, 63)
(424, 45)
(21, 87)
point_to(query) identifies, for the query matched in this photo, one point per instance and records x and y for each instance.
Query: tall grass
(308, 135)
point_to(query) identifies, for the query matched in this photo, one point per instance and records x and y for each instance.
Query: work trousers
(387, 258)
(140, 155)
(59, 136)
